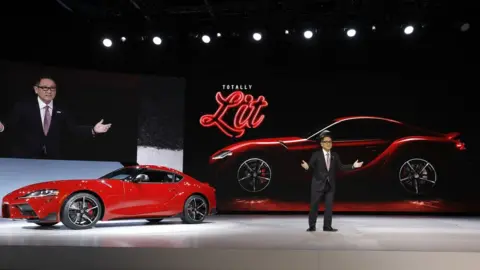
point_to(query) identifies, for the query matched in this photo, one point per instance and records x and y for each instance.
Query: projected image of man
(35, 127)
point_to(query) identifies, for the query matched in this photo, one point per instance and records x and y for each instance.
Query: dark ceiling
(71, 31)
(222, 13)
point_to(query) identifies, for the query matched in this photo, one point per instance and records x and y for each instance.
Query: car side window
(366, 129)
(160, 176)
(178, 178)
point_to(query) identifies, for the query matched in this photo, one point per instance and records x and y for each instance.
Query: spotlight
(205, 39)
(287, 32)
(351, 32)
(408, 30)
(219, 34)
(257, 36)
(107, 42)
(308, 34)
(123, 39)
(157, 41)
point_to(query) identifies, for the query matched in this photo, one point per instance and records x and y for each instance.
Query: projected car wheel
(417, 176)
(254, 175)
(81, 211)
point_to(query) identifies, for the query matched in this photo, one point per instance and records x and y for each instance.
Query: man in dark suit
(35, 128)
(324, 164)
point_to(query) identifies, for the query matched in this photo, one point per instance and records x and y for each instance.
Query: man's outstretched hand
(100, 127)
(357, 164)
(304, 165)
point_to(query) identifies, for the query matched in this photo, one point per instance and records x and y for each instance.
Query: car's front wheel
(81, 211)
(254, 175)
(195, 209)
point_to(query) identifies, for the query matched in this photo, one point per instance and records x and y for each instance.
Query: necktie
(328, 161)
(46, 120)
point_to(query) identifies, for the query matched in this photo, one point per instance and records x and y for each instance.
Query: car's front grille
(5, 211)
(26, 210)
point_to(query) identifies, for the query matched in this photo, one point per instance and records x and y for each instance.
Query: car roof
(156, 167)
(366, 117)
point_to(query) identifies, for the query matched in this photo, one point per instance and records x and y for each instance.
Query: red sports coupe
(135, 192)
(413, 157)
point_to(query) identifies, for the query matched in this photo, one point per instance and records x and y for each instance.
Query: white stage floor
(280, 234)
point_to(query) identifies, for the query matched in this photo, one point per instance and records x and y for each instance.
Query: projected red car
(139, 192)
(414, 158)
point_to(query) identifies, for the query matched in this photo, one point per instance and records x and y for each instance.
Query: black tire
(154, 220)
(258, 184)
(46, 224)
(86, 216)
(198, 203)
(421, 184)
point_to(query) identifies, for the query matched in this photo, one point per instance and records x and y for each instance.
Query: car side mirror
(141, 178)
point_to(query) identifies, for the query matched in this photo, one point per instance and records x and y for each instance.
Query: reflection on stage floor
(262, 232)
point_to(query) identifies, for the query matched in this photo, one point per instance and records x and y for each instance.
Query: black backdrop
(300, 105)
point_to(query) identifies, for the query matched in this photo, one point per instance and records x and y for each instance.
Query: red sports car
(414, 158)
(135, 192)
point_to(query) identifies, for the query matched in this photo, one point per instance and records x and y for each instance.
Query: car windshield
(314, 132)
(122, 174)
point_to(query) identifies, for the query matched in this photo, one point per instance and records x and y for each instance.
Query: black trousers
(316, 196)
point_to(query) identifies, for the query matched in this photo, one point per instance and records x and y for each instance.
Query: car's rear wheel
(46, 224)
(81, 211)
(195, 210)
(417, 176)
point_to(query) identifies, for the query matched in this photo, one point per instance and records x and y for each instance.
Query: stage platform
(248, 242)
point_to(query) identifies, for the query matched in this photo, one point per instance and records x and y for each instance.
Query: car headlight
(41, 193)
(222, 154)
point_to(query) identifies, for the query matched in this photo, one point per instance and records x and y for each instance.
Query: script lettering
(247, 115)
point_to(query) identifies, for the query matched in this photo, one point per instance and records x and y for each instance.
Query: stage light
(157, 41)
(465, 27)
(408, 30)
(107, 42)
(257, 36)
(308, 34)
(351, 32)
(123, 39)
(374, 28)
(287, 32)
(219, 34)
(205, 39)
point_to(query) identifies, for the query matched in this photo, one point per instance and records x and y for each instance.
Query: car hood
(57, 184)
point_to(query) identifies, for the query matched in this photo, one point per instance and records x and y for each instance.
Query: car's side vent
(5, 211)
(26, 210)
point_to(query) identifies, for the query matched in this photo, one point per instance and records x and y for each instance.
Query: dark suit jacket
(24, 131)
(320, 173)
